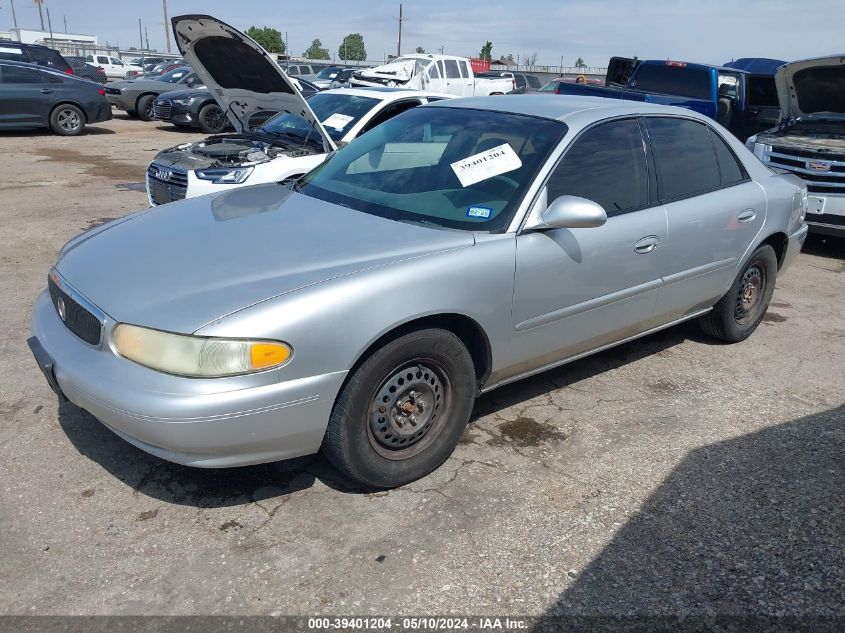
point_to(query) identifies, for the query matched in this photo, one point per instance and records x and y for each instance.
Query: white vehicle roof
(387, 94)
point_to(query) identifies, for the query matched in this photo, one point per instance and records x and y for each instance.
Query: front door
(580, 289)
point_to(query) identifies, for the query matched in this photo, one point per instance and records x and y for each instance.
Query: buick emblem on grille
(818, 165)
(60, 308)
(163, 174)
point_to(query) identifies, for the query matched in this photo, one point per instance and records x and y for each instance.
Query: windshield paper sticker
(479, 212)
(337, 121)
(486, 164)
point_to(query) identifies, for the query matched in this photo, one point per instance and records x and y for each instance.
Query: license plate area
(815, 205)
(45, 364)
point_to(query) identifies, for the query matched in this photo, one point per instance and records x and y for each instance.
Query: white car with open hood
(810, 140)
(434, 73)
(292, 136)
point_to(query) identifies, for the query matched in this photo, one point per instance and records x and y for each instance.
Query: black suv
(34, 54)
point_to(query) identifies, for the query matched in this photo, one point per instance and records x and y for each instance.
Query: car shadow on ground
(741, 530)
(824, 246)
(173, 483)
(90, 129)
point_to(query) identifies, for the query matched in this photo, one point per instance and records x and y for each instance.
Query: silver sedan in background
(455, 248)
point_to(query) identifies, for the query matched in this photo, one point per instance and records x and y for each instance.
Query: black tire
(372, 436)
(67, 120)
(145, 107)
(739, 312)
(212, 119)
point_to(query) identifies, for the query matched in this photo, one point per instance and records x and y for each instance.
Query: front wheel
(401, 413)
(212, 119)
(740, 311)
(145, 107)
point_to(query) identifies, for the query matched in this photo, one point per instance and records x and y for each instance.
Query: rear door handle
(747, 216)
(646, 244)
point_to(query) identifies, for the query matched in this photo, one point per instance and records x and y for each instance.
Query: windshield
(328, 73)
(453, 167)
(550, 87)
(174, 75)
(338, 113)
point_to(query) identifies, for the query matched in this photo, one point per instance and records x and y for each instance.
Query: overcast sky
(711, 31)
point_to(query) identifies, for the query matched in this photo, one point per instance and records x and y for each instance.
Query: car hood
(180, 266)
(812, 86)
(185, 94)
(241, 75)
(142, 84)
(400, 70)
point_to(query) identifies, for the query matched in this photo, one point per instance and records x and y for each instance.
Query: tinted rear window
(686, 162)
(729, 166)
(821, 89)
(673, 80)
(47, 57)
(606, 165)
(20, 75)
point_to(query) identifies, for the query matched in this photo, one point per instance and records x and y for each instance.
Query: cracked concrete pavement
(669, 475)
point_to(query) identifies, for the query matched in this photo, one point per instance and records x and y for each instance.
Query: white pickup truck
(433, 73)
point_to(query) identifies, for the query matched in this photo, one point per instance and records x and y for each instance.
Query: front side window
(433, 73)
(116, 61)
(533, 81)
(451, 167)
(686, 161)
(606, 164)
(452, 69)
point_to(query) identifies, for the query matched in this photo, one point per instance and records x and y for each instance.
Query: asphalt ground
(671, 476)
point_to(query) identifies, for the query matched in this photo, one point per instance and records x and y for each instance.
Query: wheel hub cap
(406, 407)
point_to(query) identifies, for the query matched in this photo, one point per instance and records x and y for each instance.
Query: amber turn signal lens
(263, 355)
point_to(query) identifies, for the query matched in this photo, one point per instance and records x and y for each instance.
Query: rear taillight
(102, 92)
(513, 83)
(69, 71)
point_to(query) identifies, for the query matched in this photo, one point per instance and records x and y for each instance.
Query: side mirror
(572, 212)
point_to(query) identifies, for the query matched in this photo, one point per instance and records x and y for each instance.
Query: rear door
(714, 209)
(579, 289)
(454, 81)
(468, 77)
(26, 96)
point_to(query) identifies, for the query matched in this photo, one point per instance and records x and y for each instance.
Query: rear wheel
(145, 107)
(402, 412)
(212, 119)
(67, 120)
(740, 311)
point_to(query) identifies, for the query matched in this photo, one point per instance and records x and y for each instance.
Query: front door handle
(646, 244)
(46, 91)
(747, 216)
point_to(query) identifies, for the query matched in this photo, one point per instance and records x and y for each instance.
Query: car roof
(386, 94)
(756, 65)
(564, 107)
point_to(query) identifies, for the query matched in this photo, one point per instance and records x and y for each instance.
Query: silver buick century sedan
(457, 247)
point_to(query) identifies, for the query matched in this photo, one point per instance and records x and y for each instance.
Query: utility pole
(50, 24)
(14, 17)
(399, 45)
(441, 49)
(141, 38)
(166, 27)
(64, 17)
(147, 38)
(38, 3)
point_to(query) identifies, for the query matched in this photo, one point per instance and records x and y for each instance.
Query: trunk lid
(241, 75)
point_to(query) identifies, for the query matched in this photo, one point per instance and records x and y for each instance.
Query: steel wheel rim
(214, 118)
(420, 389)
(749, 299)
(68, 120)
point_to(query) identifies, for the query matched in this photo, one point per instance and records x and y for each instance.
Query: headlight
(225, 176)
(197, 356)
(184, 101)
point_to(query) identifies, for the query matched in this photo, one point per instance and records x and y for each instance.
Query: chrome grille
(76, 317)
(823, 172)
(166, 184)
(161, 109)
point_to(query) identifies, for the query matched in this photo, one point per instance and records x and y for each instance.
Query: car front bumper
(120, 101)
(829, 216)
(208, 423)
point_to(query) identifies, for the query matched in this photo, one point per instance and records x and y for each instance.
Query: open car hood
(812, 86)
(400, 70)
(241, 75)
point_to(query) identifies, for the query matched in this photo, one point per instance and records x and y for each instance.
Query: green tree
(487, 51)
(420, 50)
(352, 48)
(316, 51)
(579, 63)
(269, 38)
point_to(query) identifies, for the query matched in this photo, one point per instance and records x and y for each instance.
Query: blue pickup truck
(719, 92)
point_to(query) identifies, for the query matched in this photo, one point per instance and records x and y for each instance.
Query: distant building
(31, 36)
